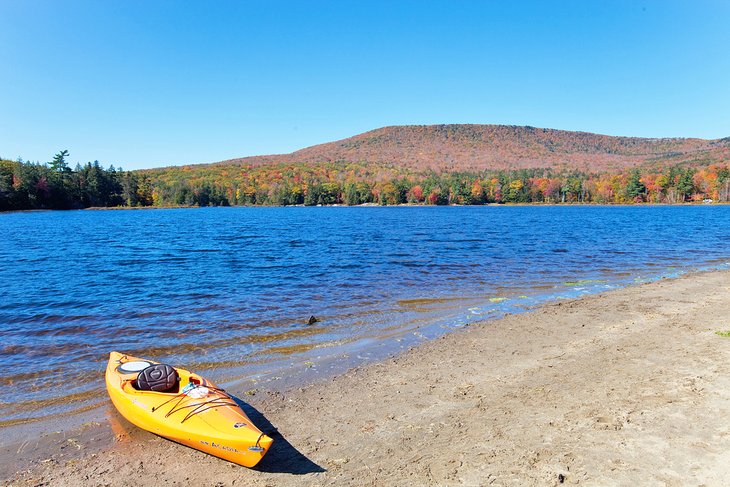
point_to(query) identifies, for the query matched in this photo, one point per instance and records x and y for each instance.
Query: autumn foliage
(357, 183)
(427, 165)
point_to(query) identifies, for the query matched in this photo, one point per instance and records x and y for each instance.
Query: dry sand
(629, 387)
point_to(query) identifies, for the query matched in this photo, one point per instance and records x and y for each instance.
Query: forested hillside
(494, 164)
(506, 147)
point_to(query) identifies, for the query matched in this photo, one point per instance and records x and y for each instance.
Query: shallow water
(228, 291)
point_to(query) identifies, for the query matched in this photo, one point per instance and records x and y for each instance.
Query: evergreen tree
(635, 189)
(58, 164)
(312, 197)
(351, 196)
(686, 184)
(129, 189)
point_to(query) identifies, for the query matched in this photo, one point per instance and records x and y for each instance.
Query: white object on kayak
(197, 392)
(136, 366)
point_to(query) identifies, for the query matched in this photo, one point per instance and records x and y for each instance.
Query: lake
(229, 291)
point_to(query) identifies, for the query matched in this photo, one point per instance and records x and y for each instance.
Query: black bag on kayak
(158, 378)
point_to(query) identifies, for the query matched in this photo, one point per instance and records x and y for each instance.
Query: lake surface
(228, 291)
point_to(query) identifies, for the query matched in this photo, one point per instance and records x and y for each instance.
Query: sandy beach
(630, 387)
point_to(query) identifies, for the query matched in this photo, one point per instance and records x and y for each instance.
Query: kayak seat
(158, 378)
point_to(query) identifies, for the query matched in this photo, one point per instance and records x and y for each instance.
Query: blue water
(229, 290)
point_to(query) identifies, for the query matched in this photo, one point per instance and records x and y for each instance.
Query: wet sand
(630, 387)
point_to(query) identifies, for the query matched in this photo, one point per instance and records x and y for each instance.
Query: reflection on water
(230, 290)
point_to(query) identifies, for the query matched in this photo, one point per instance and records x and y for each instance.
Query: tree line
(55, 185)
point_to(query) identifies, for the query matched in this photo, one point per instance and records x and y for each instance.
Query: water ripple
(236, 286)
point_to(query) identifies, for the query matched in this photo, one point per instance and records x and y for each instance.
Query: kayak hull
(199, 415)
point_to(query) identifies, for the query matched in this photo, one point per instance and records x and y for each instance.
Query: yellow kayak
(191, 410)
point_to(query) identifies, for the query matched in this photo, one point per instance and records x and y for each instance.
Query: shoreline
(313, 366)
(614, 387)
(373, 205)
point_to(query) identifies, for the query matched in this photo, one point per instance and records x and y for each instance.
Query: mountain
(434, 165)
(488, 147)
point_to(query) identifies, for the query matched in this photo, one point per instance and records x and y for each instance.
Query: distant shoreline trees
(28, 185)
(54, 185)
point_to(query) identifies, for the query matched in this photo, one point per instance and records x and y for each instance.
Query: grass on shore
(723, 333)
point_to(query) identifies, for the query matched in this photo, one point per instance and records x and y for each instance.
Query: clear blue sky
(153, 83)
